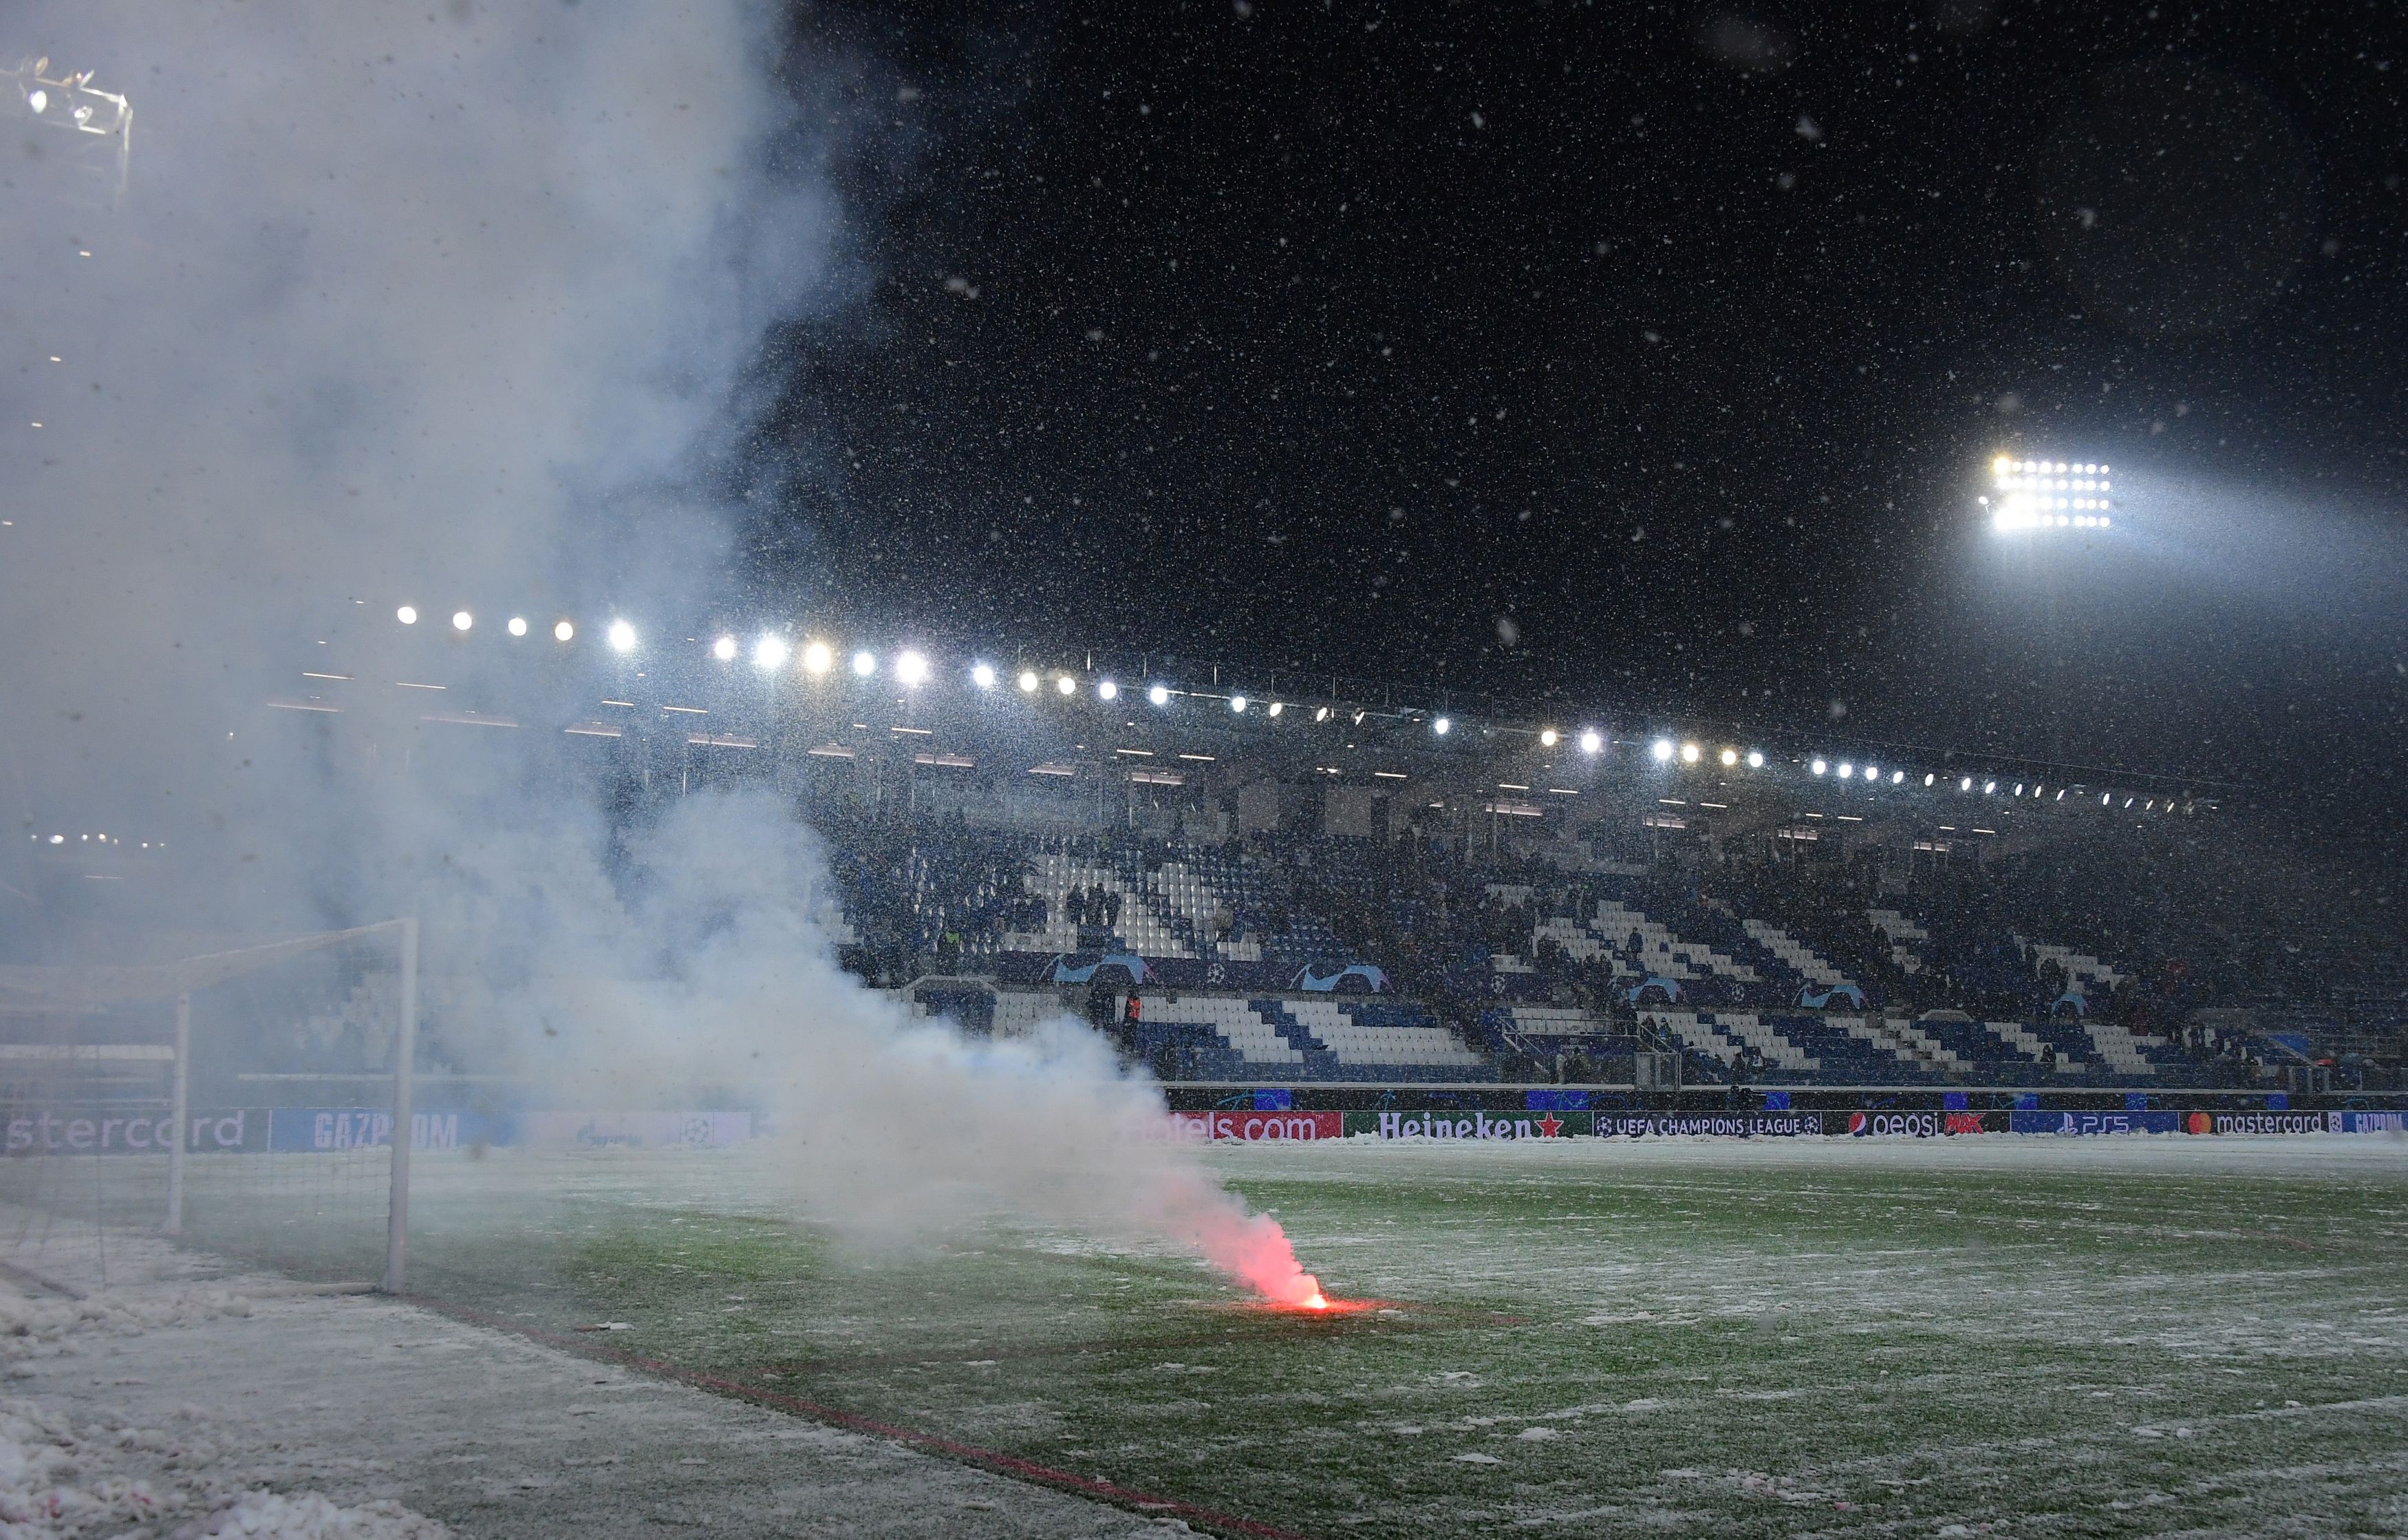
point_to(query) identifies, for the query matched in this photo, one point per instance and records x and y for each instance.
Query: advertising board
(2078, 1124)
(104, 1131)
(1473, 1126)
(1253, 1126)
(325, 1130)
(1724, 1125)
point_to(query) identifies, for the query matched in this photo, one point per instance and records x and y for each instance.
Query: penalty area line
(968, 1454)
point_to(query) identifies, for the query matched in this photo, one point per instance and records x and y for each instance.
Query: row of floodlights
(2008, 465)
(1845, 770)
(911, 667)
(517, 626)
(2021, 512)
(94, 839)
(1665, 751)
(771, 651)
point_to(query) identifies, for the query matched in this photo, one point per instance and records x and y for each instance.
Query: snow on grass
(1596, 1334)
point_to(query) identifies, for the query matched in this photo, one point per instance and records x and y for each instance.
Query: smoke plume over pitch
(454, 307)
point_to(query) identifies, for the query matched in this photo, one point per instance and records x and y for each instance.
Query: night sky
(1643, 359)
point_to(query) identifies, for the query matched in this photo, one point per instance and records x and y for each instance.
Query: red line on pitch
(993, 1459)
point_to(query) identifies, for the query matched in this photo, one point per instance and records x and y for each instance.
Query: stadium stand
(2032, 969)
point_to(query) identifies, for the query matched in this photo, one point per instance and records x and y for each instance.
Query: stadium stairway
(2120, 1051)
(2081, 967)
(1307, 1040)
(1802, 959)
(1909, 943)
(1721, 1034)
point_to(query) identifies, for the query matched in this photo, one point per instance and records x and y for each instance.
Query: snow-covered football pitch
(2039, 1335)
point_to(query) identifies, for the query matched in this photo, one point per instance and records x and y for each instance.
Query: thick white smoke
(444, 305)
(399, 301)
(711, 969)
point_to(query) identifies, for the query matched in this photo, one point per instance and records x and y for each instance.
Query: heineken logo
(1477, 1125)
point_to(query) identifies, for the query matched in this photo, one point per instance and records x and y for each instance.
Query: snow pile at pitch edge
(35, 1328)
(55, 1483)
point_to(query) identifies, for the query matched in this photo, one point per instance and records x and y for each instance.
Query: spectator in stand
(1113, 912)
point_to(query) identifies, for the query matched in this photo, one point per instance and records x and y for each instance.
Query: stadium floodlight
(1729, 758)
(1690, 753)
(2037, 495)
(1273, 709)
(1592, 742)
(1547, 737)
(517, 627)
(982, 675)
(407, 615)
(1846, 770)
(724, 649)
(1896, 777)
(1929, 777)
(911, 667)
(1662, 749)
(462, 620)
(865, 663)
(1966, 784)
(1107, 690)
(1441, 726)
(1237, 704)
(1755, 758)
(2103, 797)
(563, 631)
(1159, 694)
(1065, 684)
(1988, 786)
(1320, 713)
(769, 653)
(817, 657)
(1818, 766)
(2019, 788)
(1872, 772)
(1027, 681)
(622, 636)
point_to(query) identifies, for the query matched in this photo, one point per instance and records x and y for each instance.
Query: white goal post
(26, 989)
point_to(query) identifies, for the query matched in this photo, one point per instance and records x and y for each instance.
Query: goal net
(243, 1096)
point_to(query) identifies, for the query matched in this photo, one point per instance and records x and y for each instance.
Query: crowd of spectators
(2170, 932)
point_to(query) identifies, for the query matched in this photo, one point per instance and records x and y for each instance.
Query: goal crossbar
(33, 988)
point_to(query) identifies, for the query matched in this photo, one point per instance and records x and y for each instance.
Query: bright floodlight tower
(2032, 496)
(95, 128)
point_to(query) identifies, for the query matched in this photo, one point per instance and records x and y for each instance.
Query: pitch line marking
(993, 1460)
